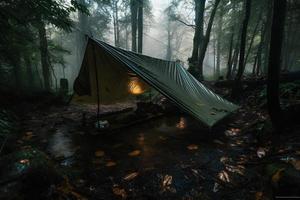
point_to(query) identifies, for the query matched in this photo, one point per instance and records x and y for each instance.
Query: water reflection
(60, 145)
(181, 124)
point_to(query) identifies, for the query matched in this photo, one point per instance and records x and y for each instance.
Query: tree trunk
(254, 66)
(133, 8)
(241, 67)
(267, 35)
(229, 62)
(199, 21)
(140, 26)
(116, 23)
(205, 42)
(81, 34)
(198, 36)
(220, 34)
(169, 47)
(29, 71)
(44, 55)
(259, 51)
(16, 62)
(278, 22)
(252, 39)
(215, 52)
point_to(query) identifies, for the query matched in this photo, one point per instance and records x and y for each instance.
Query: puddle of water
(61, 144)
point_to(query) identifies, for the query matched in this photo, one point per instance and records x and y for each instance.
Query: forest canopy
(43, 41)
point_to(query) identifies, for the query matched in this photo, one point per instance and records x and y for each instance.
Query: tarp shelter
(113, 74)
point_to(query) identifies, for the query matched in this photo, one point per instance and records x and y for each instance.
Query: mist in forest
(169, 29)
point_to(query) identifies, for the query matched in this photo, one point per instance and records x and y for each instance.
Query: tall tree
(45, 61)
(220, 38)
(275, 56)
(140, 25)
(198, 35)
(134, 12)
(241, 66)
(203, 46)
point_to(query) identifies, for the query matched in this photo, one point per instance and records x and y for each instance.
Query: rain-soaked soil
(166, 158)
(171, 157)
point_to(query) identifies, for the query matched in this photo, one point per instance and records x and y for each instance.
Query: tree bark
(29, 71)
(44, 55)
(205, 42)
(229, 62)
(140, 26)
(169, 47)
(241, 67)
(267, 35)
(273, 100)
(116, 22)
(252, 39)
(16, 62)
(133, 8)
(259, 51)
(220, 34)
(198, 36)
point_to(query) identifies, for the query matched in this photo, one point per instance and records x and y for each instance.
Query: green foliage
(289, 91)
(19, 22)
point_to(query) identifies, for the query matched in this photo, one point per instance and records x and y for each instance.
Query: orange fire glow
(135, 86)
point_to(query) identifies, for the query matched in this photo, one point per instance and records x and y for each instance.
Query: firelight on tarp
(135, 86)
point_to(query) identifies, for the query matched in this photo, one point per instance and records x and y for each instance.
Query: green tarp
(108, 71)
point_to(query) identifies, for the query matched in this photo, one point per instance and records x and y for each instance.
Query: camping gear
(109, 74)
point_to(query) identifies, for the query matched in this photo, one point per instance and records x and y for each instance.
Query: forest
(149, 99)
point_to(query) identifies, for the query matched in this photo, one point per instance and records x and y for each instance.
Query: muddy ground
(51, 155)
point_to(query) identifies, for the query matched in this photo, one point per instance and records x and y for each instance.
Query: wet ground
(171, 157)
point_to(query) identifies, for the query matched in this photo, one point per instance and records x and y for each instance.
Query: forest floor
(51, 155)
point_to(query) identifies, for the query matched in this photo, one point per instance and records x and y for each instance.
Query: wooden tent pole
(97, 83)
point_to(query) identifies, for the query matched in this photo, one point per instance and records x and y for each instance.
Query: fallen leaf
(97, 161)
(277, 175)
(218, 142)
(229, 133)
(20, 142)
(223, 175)
(27, 137)
(134, 153)
(141, 138)
(162, 138)
(296, 164)
(131, 176)
(66, 189)
(99, 153)
(192, 147)
(120, 192)
(24, 161)
(28, 133)
(110, 164)
(167, 180)
(261, 152)
(216, 187)
(259, 196)
(195, 171)
(224, 159)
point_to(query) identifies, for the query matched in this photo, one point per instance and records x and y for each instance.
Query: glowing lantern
(135, 86)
